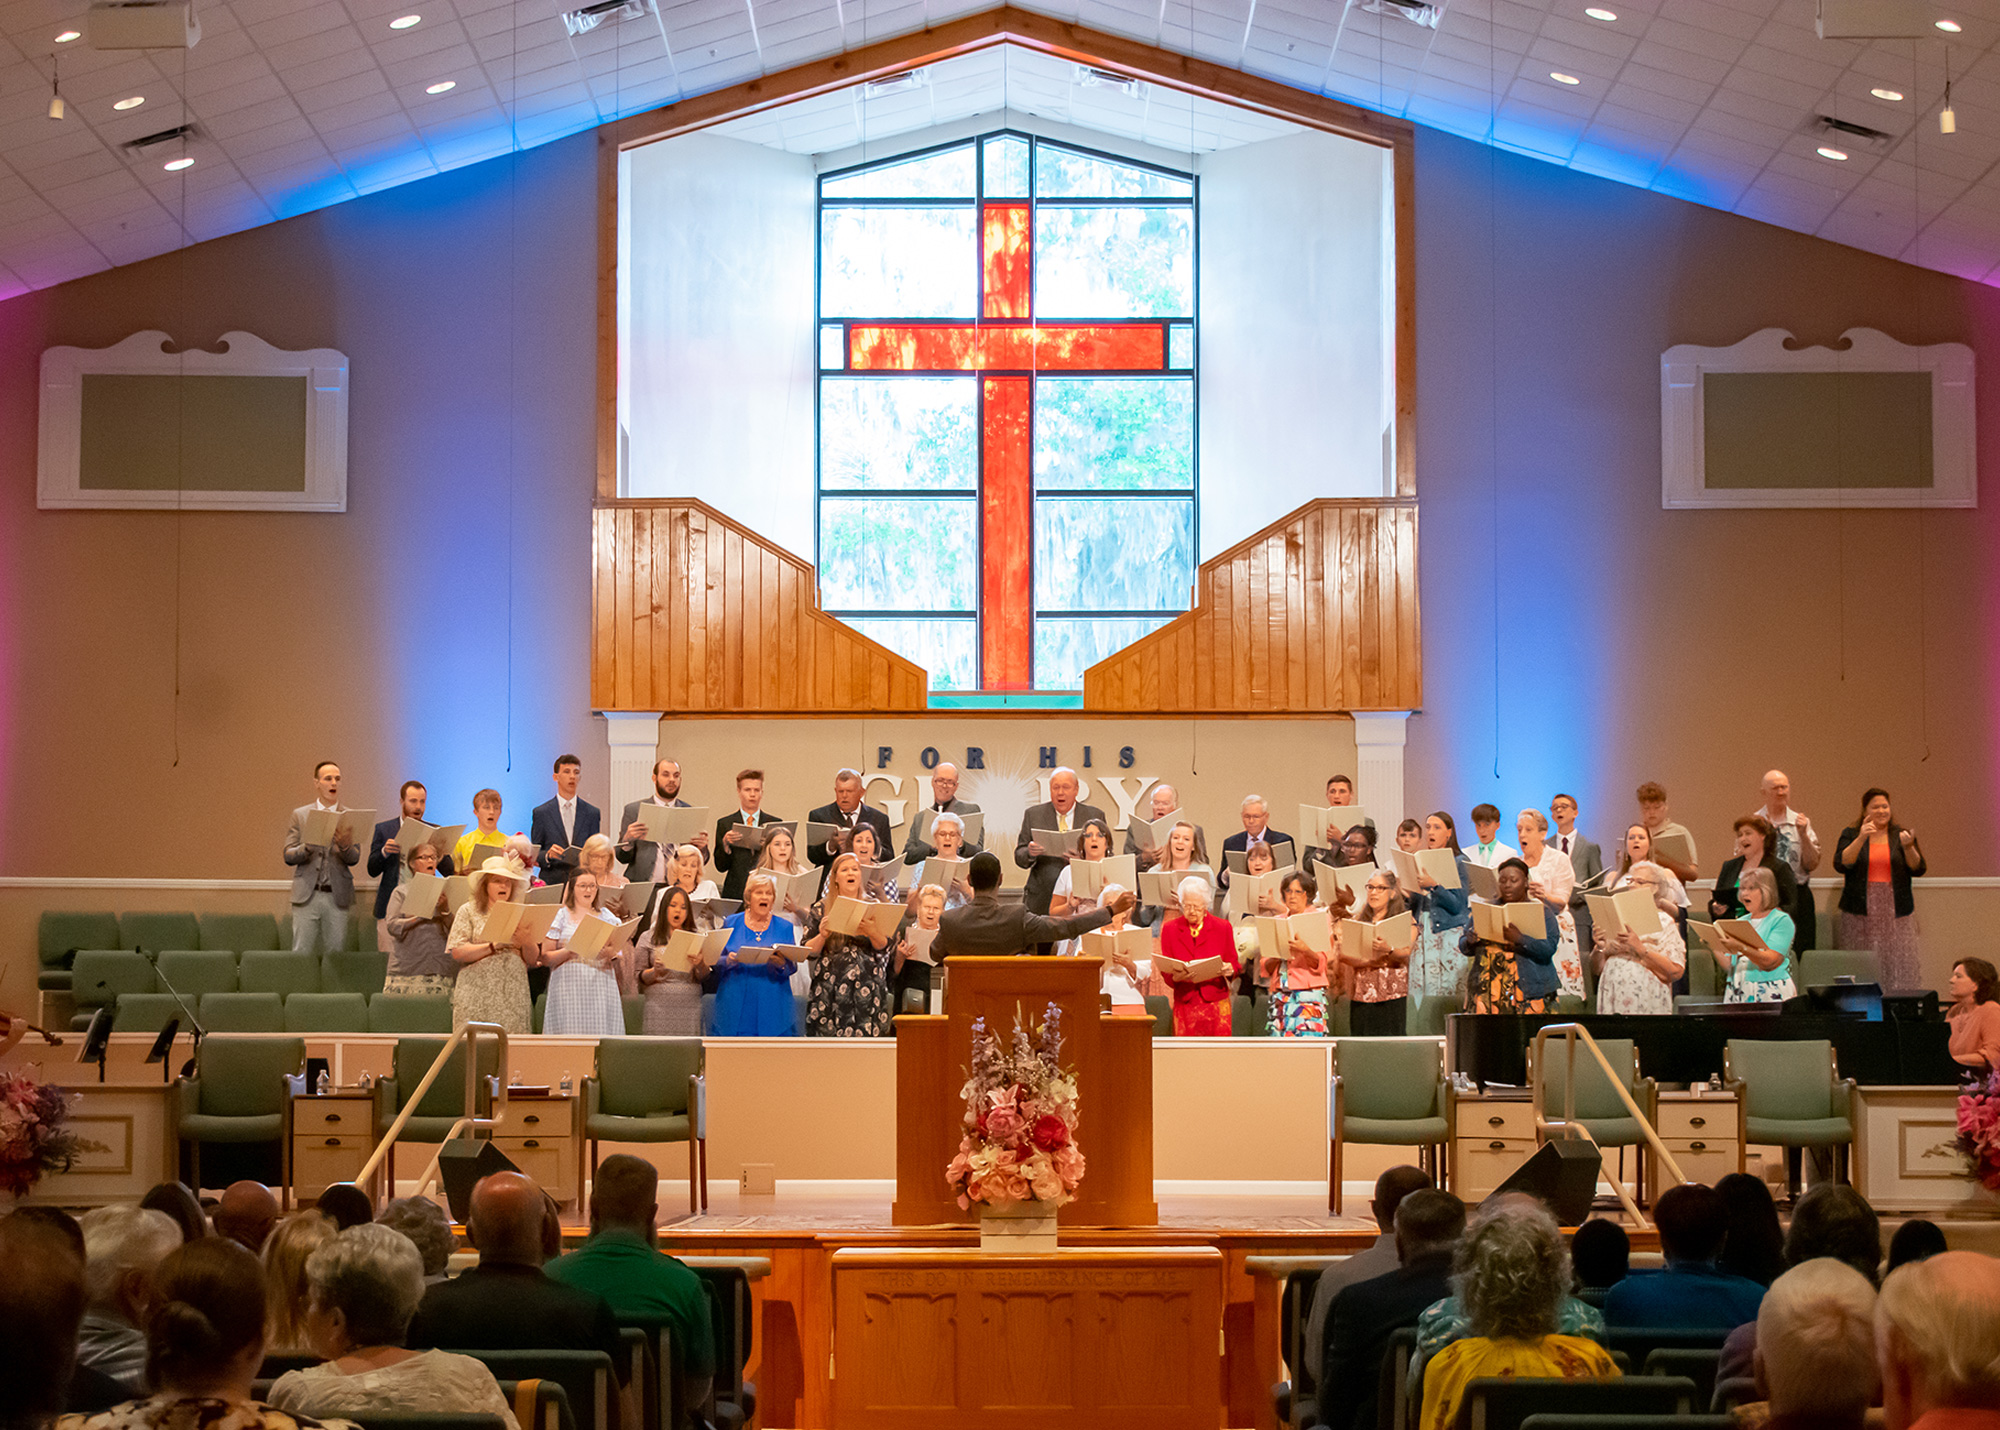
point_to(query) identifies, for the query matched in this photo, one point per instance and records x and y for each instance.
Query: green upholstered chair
(195, 971)
(242, 1012)
(362, 972)
(101, 976)
(538, 1012)
(1598, 1108)
(148, 1013)
(1820, 966)
(58, 936)
(1790, 1095)
(1705, 979)
(278, 971)
(284, 930)
(237, 1094)
(1387, 1092)
(156, 931)
(443, 1104)
(650, 1090)
(1162, 1009)
(361, 930)
(236, 932)
(634, 1006)
(1428, 1014)
(409, 1013)
(326, 1013)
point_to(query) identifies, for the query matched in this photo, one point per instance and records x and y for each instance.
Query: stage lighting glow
(1607, 16)
(1560, 78)
(1828, 152)
(1950, 27)
(67, 35)
(1892, 95)
(441, 86)
(174, 166)
(404, 22)
(133, 103)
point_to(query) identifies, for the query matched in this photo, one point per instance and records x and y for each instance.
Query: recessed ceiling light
(403, 22)
(67, 35)
(1950, 27)
(174, 166)
(1560, 78)
(1828, 152)
(441, 86)
(1892, 95)
(133, 103)
(1607, 16)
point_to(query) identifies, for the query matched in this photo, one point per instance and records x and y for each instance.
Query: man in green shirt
(620, 1263)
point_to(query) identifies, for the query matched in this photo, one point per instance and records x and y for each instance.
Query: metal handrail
(1570, 1032)
(469, 1034)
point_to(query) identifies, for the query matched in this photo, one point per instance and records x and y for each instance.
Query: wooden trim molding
(1316, 613)
(692, 613)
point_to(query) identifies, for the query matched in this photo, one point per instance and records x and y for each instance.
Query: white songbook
(1087, 877)
(1058, 842)
(1485, 883)
(751, 953)
(1675, 846)
(1313, 928)
(819, 835)
(920, 940)
(503, 921)
(943, 872)
(412, 832)
(1246, 891)
(1284, 856)
(1744, 932)
(1351, 877)
(875, 878)
(1629, 909)
(593, 937)
(1152, 834)
(719, 909)
(457, 892)
(321, 825)
(795, 892)
(1158, 886)
(1438, 863)
(671, 824)
(1133, 943)
(1357, 939)
(858, 919)
(535, 921)
(1324, 827)
(1200, 971)
(629, 901)
(1491, 921)
(1710, 934)
(546, 894)
(686, 949)
(421, 896)
(975, 826)
(754, 837)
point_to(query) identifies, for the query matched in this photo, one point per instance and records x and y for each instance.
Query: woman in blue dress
(754, 1000)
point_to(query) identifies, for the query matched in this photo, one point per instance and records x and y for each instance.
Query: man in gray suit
(988, 928)
(1166, 800)
(1061, 812)
(322, 875)
(944, 800)
(640, 855)
(1588, 861)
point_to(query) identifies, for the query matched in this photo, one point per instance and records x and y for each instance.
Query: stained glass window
(1006, 406)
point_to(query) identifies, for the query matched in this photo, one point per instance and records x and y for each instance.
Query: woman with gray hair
(1188, 943)
(365, 1285)
(423, 1222)
(1761, 972)
(1512, 1275)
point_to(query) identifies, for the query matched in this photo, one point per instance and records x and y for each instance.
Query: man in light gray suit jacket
(322, 876)
(1588, 861)
(1044, 866)
(641, 857)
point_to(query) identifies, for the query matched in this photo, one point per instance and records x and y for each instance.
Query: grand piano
(1492, 1048)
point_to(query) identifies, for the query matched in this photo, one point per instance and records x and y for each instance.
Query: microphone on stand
(197, 1031)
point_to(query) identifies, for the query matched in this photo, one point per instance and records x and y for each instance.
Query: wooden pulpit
(1113, 1058)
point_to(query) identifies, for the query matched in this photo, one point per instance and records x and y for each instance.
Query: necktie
(1062, 823)
(1565, 844)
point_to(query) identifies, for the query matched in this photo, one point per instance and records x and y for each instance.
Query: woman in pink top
(1975, 1014)
(1297, 982)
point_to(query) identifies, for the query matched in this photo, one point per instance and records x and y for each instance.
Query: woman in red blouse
(1201, 1009)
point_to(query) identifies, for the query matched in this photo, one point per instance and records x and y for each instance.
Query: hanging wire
(1493, 345)
(184, 241)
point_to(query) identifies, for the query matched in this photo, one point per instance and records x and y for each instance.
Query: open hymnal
(457, 892)
(1133, 943)
(920, 940)
(322, 824)
(1491, 921)
(671, 823)
(1313, 928)
(794, 892)
(596, 938)
(1325, 827)
(1162, 886)
(412, 832)
(503, 921)
(975, 826)
(1282, 853)
(535, 921)
(1057, 842)
(1357, 939)
(546, 894)
(484, 854)
(1744, 932)
(1437, 863)
(1246, 891)
(753, 836)
(1484, 883)
(716, 910)
(753, 953)
(685, 948)
(1351, 877)
(1200, 971)
(1631, 909)
(628, 901)
(1675, 846)
(943, 872)
(818, 835)
(421, 896)
(1710, 934)
(1087, 877)
(858, 919)
(876, 878)
(1152, 833)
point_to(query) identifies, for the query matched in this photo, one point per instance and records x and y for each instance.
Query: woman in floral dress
(492, 984)
(851, 995)
(1636, 973)
(1517, 974)
(1298, 982)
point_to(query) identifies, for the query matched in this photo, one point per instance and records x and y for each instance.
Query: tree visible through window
(1006, 407)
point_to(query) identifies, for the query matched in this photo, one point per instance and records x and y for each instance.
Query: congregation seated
(179, 1203)
(1915, 1240)
(122, 1248)
(1937, 1341)
(346, 1205)
(204, 1344)
(1754, 1247)
(1513, 1277)
(1429, 1224)
(1378, 1259)
(247, 1215)
(640, 1282)
(1691, 1291)
(507, 1301)
(1600, 1254)
(285, 1256)
(42, 1300)
(423, 1221)
(1830, 1220)
(1816, 1348)
(363, 1287)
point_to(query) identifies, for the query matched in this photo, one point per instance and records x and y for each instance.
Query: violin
(13, 1020)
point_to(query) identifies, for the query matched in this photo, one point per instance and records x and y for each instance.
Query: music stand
(162, 1046)
(97, 1040)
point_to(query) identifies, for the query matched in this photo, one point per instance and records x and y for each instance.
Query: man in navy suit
(1256, 830)
(385, 856)
(562, 824)
(847, 813)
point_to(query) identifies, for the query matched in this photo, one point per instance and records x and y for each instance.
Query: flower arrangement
(1020, 1119)
(1979, 1128)
(33, 1140)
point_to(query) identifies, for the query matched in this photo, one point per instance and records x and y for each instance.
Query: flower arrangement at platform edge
(33, 1139)
(1979, 1128)
(1019, 1143)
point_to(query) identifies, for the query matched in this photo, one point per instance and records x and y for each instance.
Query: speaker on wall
(462, 1164)
(1563, 1176)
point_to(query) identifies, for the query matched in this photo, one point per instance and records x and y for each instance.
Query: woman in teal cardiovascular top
(754, 1000)
(1759, 975)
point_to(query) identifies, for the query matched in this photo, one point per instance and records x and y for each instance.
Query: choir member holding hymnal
(419, 962)
(1197, 958)
(851, 976)
(1298, 978)
(1513, 971)
(1375, 946)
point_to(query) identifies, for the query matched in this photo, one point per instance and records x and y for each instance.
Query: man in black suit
(560, 826)
(987, 928)
(1256, 830)
(646, 860)
(506, 1302)
(944, 800)
(847, 813)
(1044, 866)
(385, 856)
(1428, 1227)
(734, 856)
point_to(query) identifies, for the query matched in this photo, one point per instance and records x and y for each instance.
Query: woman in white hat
(492, 982)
